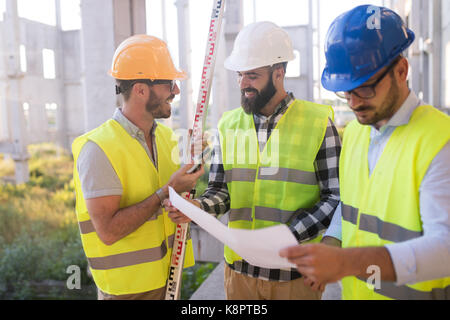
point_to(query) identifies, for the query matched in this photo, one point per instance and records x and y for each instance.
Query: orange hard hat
(144, 57)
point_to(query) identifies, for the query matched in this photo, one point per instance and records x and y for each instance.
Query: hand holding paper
(258, 247)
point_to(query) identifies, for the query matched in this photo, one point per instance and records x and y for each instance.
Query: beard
(156, 106)
(386, 111)
(259, 101)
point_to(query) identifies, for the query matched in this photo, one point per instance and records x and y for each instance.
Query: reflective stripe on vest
(274, 174)
(393, 291)
(385, 230)
(140, 261)
(383, 208)
(87, 226)
(271, 187)
(261, 213)
(129, 258)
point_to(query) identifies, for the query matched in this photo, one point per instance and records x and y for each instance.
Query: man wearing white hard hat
(284, 172)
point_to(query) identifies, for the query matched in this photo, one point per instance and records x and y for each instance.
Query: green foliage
(39, 236)
(193, 277)
(202, 183)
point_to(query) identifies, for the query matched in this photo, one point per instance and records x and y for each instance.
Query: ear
(278, 78)
(279, 74)
(402, 69)
(140, 90)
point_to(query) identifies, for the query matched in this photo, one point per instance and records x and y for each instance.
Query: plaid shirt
(308, 223)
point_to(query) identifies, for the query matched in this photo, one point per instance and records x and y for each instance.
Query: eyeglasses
(172, 83)
(366, 92)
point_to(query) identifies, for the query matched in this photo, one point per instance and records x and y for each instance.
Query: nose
(353, 101)
(176, 90)
(243, 82)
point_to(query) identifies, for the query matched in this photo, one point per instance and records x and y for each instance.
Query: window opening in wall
(294, 68)
(48, 57)
(26, 113)
(23, 58)
(51, 109)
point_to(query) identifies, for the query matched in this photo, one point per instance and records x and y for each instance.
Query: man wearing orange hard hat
(122, 171)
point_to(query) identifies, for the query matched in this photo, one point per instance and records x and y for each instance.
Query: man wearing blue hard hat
(394, 221)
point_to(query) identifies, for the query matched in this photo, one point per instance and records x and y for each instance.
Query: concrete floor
(212, 288)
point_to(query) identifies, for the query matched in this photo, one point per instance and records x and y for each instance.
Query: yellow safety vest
(266, 189)
(384, 208)
(140, 261)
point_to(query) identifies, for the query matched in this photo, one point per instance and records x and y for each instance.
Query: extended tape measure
(179, 245)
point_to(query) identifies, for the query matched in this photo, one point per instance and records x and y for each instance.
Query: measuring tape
(173, 288)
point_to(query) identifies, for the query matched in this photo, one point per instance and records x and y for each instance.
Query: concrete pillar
(38, 123)
(17, 126)
(416, 52)
(129, 19)
(220, 85)
(62, 137)
(4, 130)
(445, 31)
(105, 23)
(435, 87)
(186, 108)
(310, 68)
(234, 22)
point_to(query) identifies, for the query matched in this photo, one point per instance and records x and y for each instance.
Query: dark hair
(123, 86)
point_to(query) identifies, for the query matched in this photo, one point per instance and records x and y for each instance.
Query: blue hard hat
(359, 43)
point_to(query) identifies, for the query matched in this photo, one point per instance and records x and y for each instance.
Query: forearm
(357, 262)
(309, 223)
(215, 200)
(127, 220)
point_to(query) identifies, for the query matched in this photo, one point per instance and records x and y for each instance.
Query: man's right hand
(176, 215)
(181, 181)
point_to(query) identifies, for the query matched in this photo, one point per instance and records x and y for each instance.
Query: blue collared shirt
(426, 257)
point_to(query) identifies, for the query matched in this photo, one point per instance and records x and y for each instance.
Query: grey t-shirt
(97, 176)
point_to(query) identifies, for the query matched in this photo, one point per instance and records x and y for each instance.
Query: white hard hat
(258, 45)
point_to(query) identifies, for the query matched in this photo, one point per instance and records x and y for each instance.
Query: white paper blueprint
(258, 247)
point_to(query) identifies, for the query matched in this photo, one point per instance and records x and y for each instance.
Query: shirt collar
(281, 107)
(129, 126)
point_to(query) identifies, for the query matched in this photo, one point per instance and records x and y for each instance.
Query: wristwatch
(161, 195)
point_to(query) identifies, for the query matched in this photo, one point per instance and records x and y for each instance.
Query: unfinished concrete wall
(429, 54)
(73, 89)
(38, 91)
(12, 75)
(40, 95)
(97, 50)
(105, 23)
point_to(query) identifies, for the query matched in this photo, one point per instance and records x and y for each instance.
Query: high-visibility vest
(384, 208)
(140, 261)
(267, 188)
